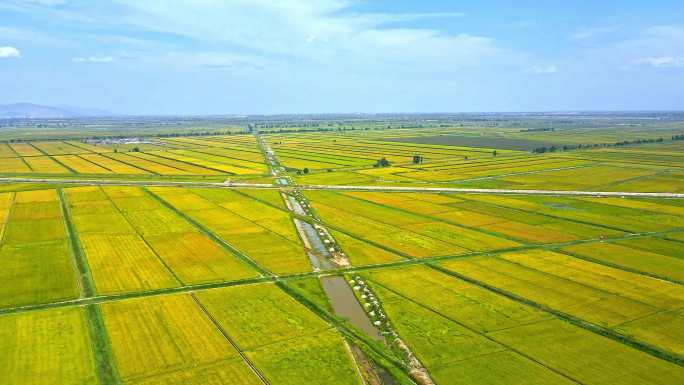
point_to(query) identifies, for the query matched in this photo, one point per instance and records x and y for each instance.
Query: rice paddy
(135, 266)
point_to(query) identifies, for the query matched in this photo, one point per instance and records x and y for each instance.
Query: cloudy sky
(310, 56)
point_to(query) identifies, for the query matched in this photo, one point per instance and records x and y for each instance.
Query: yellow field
(124, 263)
(177, 343)
(144, 164)
(25, 149)
(13, 165)
(44, 164)
(275, 252)
(81, 165)
(190, 255)
(285, 341)
(196, 259)
(58, 148)
(113, 165)
(46, 347)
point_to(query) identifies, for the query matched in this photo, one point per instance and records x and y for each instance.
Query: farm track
(389, 189)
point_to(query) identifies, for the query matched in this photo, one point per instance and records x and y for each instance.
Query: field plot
(144, 164)
(81, 165)
(284, 340)
(158, 157)
(363, 253)
(321, 150)
(506, 222)
(25, 149)
(113, 165)
(49, 346)
(6, 151)
(449, 350)
(36, 264)
(14, 166)
(191, 256)
(348, 158)
(398, 230)
(236, 155)
(628, 255)
(118, 258)
(597, 212)
(59, 148)
(45, 165)
(565, 349)
(170, 340)
(596, 293)
(265, 234)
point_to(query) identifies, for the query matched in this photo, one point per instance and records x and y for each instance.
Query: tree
(417, 159)
(382, 162)
(306, 170)
(494, 152)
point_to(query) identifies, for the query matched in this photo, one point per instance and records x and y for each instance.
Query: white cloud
(660, 62)
(93, 59)
(543, 70)
(660, 46)
(590, 33)
(9, 52)
(322, 32)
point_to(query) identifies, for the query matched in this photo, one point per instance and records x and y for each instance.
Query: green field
(133, 261)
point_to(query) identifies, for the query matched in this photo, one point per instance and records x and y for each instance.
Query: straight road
(390, 189)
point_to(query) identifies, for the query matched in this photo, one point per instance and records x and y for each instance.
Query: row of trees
(569, 147)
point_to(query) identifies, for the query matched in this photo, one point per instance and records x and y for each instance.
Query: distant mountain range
(35, 111)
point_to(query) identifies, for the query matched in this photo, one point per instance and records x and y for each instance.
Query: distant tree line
(538, 129)
(569, 147)
(159, 135)
(678, 137)
(340, 128)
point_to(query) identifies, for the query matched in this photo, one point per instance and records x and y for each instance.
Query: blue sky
(296, 56)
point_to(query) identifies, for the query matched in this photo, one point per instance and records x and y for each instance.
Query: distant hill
(35, 111)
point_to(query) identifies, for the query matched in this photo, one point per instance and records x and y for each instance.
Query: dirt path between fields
(389, 189)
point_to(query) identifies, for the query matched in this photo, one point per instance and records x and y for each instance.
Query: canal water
(346, 305)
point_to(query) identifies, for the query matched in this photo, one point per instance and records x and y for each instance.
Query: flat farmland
(399, 230)
(596, 293)
(450, 350)
(108, 236)
(175, 259)
(179, 344)
(285, 341)
(582, 356)
(263, 233)
(50, 346)
(36, 263)
(234, 155)
(156, 247)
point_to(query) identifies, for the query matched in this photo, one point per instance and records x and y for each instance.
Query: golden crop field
(596, 293)
(283, 339)
(49, 346)
(178, 343)
(322, 250)
(36, 263)
(230, 220)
